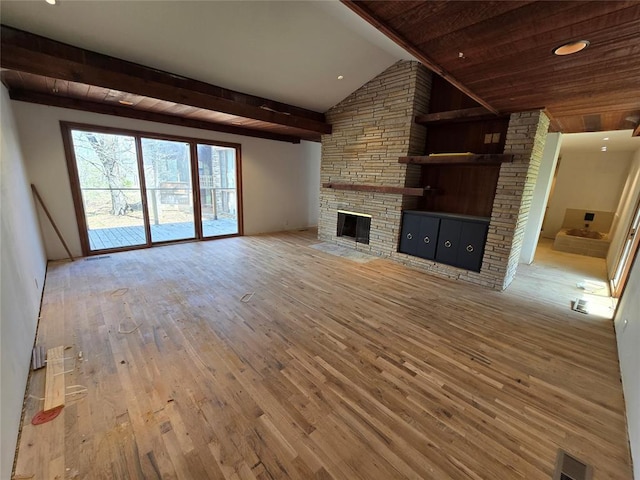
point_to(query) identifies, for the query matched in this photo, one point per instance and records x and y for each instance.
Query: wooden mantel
(416, 192)
(469, 159)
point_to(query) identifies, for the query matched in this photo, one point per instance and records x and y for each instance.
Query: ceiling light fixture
(571, 47)
(603, 149)
(340, 77)
(51, 2)
(125, 102)
(606, 138)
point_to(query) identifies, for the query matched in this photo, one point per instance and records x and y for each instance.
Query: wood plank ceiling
(496, 52)
(500, 54)
(40, 70)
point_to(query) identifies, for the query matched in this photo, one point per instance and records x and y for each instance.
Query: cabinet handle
(409, 236)
(469, 248)
(427, 240)
(447, 244)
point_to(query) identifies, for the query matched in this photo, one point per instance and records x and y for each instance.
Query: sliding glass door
(109, 186)
(218, 190)
(133, 189)
(167, 173)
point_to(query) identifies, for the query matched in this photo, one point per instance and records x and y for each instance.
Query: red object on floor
(44, 417)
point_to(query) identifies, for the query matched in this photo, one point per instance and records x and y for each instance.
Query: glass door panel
(218, 190)
(167, 173)
(107, 170)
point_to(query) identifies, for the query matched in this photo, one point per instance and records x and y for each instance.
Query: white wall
(590, 181)
(627, 323)
(540, 196)
(276, 177)
(23, 266)
(624, 214)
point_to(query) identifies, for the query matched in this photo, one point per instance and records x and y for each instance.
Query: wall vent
(570, 468)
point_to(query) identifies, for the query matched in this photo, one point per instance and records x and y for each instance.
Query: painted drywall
(540, 196)
(627, 323)
(23, 266)
(624, 213)
(589, 181)
(276, 176)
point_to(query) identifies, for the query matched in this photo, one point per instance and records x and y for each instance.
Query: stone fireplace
(375, 126)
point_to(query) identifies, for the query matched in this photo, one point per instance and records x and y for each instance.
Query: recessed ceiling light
(340, 77)
(125, 102)
(603, 149)
(605, 138)
(51, 2)
(571, 47)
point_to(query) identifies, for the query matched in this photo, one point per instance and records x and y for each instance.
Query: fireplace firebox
(354, 225)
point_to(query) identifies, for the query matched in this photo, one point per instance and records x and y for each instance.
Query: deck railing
(182, 196)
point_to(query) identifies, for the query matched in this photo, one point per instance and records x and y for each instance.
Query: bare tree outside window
(109, 163)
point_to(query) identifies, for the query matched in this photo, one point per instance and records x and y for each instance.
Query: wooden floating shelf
(455, 116)
(472, 159)
(416, 192)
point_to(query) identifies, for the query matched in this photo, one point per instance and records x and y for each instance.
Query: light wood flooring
(331, 370)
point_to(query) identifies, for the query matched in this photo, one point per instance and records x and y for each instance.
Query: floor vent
(580, 305)
(570, 468)
(97, 258)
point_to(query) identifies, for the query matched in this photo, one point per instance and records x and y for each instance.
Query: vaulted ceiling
(269, 69)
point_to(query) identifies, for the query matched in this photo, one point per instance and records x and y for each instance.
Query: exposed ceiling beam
(555, 124)
(27, 52)
(363, 12)
(128, 112)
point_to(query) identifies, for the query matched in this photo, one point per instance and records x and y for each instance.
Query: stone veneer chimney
(372, 128)
(375, 126)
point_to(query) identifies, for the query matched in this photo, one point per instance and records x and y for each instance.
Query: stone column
(525, 140)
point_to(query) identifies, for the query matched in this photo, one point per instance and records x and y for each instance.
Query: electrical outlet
(495, 138)
(488, 137)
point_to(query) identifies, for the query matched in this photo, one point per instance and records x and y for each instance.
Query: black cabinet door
(472, 240)
(410, 236)
(448, 241)
(428, 237)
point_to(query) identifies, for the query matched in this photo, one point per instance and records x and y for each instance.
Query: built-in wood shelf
(416, 192)
(470, 159)
(452, 116)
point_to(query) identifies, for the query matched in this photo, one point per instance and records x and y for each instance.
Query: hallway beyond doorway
(576, 277)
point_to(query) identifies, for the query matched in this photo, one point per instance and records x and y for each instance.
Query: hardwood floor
(331, 370)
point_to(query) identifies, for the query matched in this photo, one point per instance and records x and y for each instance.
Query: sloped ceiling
(291, 52)
(500, 54)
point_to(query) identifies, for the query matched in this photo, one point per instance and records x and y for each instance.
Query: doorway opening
(592, 216)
